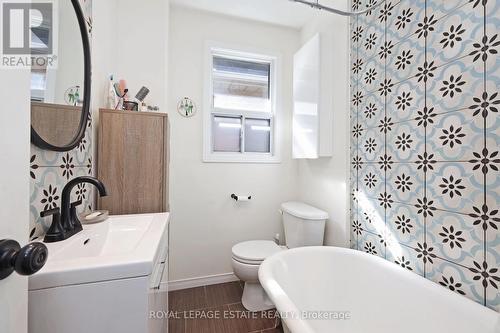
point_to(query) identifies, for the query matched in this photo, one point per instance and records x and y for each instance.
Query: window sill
(249, 159)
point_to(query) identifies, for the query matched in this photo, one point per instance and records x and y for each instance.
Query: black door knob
(25, 261)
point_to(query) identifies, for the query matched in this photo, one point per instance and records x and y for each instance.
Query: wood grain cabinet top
(133, 161)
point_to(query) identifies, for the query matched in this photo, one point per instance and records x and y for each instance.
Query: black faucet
(66, 223)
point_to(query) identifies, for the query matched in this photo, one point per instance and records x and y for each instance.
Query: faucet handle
(48, 212)
(76, 203)
(56, 231)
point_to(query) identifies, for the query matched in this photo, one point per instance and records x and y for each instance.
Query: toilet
(304, 225)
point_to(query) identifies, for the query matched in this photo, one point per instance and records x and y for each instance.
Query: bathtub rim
(284, 304)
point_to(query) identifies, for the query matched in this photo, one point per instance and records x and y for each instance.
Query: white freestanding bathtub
(337, 290)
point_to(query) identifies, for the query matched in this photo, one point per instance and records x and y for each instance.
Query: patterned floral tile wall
(425, 140)
(50, 171)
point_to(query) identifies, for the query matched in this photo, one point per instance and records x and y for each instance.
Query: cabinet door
(131, 162)
(306, 94)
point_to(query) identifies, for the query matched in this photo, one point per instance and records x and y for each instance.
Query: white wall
(206, 223)
(130, 41)
(104, 49)
(322, 182)
(141, 54)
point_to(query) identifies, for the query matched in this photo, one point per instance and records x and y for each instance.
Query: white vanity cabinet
(105, 279)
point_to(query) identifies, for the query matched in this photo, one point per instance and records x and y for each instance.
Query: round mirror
(60, 76)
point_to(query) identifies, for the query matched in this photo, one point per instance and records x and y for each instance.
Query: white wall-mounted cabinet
(312, 107)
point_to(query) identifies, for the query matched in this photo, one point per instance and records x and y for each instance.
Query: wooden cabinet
(133, 158)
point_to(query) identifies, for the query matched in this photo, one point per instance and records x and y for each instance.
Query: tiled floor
(217, 309)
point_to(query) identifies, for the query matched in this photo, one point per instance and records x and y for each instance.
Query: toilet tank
(304, 224)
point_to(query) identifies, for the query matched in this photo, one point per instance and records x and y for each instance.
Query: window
(240, 107)
(38, 84)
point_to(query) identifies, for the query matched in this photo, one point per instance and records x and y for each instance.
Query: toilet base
(255, 298)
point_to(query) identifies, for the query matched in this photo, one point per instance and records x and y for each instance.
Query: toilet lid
(304, 211)
(255, 250)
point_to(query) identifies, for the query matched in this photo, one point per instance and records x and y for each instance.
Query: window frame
(209, 111)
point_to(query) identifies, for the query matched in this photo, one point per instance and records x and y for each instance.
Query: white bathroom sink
(121, 247)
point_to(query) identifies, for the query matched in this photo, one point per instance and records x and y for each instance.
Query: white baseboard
(201, 281)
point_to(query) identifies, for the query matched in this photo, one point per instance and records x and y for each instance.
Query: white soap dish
(94, 217)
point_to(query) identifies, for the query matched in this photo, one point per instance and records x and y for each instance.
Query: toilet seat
(254, 252)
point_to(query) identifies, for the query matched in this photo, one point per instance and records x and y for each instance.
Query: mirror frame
(36, 139)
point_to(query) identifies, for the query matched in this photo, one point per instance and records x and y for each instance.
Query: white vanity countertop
(121, 247)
